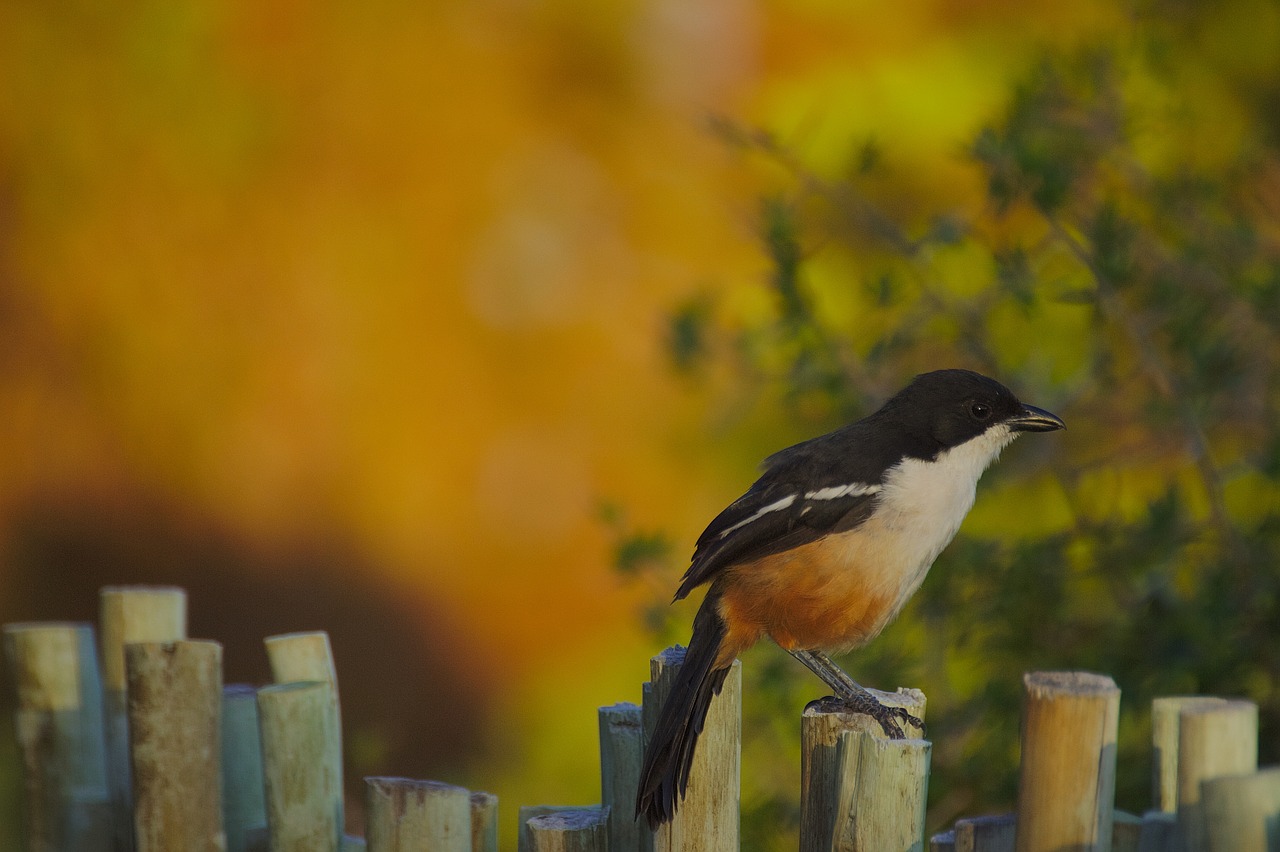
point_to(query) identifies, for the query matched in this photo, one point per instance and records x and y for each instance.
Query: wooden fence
(138, 746)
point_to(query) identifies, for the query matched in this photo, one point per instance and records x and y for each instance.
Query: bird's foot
(891, 719)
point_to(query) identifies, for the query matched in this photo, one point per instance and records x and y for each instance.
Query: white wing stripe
(772, 507)
(856, 489)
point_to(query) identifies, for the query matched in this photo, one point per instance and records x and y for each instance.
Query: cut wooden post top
(131, 614)
(1053, 684)
(571, 820)
(301, 656)
(44, 662)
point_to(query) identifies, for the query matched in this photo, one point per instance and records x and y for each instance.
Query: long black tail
(664, 775)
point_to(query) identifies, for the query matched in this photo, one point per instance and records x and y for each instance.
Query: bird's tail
(664, 775)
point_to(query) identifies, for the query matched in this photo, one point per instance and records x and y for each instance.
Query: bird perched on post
(826, 547)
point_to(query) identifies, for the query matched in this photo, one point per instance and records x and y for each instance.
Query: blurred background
(446, 326)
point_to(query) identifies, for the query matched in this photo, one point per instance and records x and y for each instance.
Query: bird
(826, 547)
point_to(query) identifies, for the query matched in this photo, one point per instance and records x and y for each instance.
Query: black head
(951, 407)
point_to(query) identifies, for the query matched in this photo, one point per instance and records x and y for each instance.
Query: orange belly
(825, 595)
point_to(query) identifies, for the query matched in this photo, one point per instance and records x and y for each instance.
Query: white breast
(921, 506)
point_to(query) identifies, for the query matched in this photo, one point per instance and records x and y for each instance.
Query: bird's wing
(784, 509)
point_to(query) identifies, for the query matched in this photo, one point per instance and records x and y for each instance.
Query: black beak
(1032, 419)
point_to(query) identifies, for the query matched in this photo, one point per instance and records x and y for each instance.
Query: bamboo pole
(404, 815)
(995, 833)
(128, 614)
(577, 830)
(1213, 740)
(1165, 715)
(621, 750)
(1242, 812)
(1066, 790)
(244, 806)
(707, 820)
(175, 742)
(825, 798)
(484, 822)
(303, 790)
(58, 727)
(1159, 832)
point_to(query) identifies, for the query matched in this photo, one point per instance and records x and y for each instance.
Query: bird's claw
(888, 717)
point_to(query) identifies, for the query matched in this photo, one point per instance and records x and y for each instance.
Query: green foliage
(1124, 271)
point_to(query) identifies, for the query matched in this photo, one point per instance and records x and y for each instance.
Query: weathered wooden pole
(621, 750)
(58, 725)
(826, 795)
(484, 822)
(708, 818)
(129, 614)
(1159, 832)
(303, 788)
(244, 805)
(1126, 831)
(576, 830)
(175, 744)
(403, 815)
(1213, 740)
(1066, 790)
(993, 833)
(1242, 812)
(889, 781)
(524, 841)
(1166, 713)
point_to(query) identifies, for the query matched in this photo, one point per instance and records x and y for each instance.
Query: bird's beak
(1032, 419)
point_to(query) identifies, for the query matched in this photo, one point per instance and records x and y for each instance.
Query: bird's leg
(856, 697)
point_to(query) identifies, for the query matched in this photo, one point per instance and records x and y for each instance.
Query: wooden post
(995, 833)
(175, 742)
(404, 815)
(708, 819)
(578, 830)
(621, 750)
(58, 726)
(823, 813)
(886, 786)
(1242, 812)
(1213, 740)
(484, 822)
(303, 790)
(1165, 715)
(129, 614)
(1066, 790)
(524, 841)
(1126, 831)
(244, 805)
(1159, 832)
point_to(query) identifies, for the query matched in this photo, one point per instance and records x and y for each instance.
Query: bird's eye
(979, 410)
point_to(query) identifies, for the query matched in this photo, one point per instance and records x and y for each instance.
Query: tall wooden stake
(175, 741)
(621, 750)
(1066, 790)
(708, 819)
(303, 787)
(58, 723)
(826, 797)
(1213, 740)
(130, 614)
(405, 816)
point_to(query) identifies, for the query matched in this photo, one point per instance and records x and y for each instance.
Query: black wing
(807, 491)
